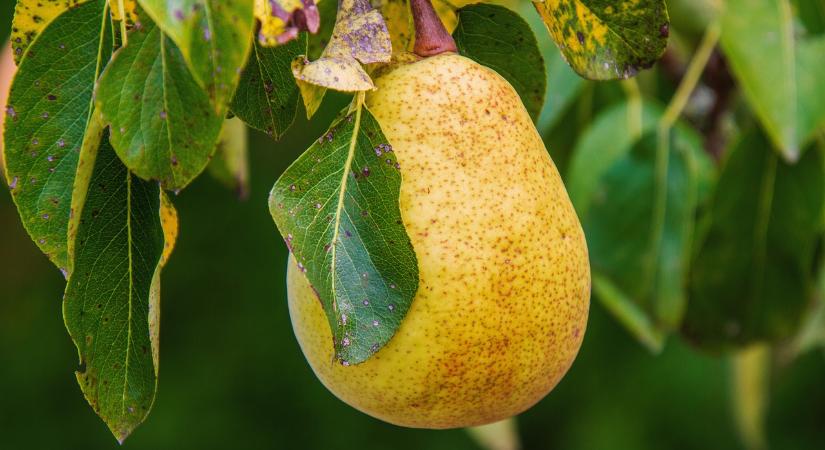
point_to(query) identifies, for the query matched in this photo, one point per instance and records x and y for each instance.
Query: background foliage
(227, 383)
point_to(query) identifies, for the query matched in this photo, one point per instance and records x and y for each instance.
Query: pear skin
(504, 287)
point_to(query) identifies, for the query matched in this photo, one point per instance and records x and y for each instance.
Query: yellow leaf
(169, 223)
(31, 17)
(360, 36)
(130, 6)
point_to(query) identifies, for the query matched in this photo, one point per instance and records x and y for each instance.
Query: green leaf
(214, 37)
(231, 162)
(111, 305)
(780, 76)
(605, 40)
(637, 199)
(337, 208)
(163, 125)
(751, 278)
(47, 117)
(500, 39)
(31, 17)
(267, 95)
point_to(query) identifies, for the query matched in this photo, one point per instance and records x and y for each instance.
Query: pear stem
(431, 38)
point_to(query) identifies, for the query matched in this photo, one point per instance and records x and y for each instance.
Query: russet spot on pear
(504, 285)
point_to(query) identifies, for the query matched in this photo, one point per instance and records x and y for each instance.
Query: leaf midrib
(339, 207)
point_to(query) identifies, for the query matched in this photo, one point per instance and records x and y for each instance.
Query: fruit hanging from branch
(504, 279)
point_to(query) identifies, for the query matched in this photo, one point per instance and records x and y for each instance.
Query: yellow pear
(504, 288)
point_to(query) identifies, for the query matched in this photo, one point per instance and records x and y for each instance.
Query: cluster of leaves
(118, 101)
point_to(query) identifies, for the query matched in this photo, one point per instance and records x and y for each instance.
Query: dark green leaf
(500, 39)
(637, 199)
(267, 95)
(111, 305)
(604, 40)
(780, 76)
(214, 37)
(47, 117)
(751, 278)
(337, 208)
(163, 126)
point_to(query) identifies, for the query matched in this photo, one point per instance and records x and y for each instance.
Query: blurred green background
(232, 375)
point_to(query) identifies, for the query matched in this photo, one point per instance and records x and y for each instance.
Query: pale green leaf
(779, 75)
(214, 37)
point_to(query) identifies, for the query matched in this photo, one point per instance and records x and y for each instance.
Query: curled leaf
(282, 20)
(360, 37)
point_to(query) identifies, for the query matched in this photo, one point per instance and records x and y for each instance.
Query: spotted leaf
(214, 38)
(603, 39)
(337, 208)
(31, 17)
(360, 36)
(129, 8)
(111, 304)
(47, 117)
(267, 96)
(500, 39)
(163, 125)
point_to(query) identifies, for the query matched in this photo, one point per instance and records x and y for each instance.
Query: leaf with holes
(267, 96)
(163, 125)
(111, 305)
(48, 113)
(337, 208)
(500, 39)
(752, 277)
(605, 40)
(786, 93)
(214, 37)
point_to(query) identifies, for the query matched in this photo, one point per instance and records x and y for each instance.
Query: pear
(504, 287)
